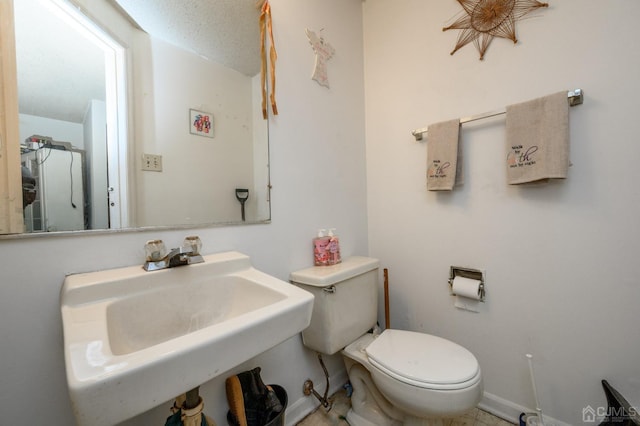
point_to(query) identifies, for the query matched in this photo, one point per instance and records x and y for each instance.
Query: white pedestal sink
(135, 339)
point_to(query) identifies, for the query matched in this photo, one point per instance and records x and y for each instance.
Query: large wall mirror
(140, 113)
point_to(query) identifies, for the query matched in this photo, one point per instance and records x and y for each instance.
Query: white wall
(183, 81)
(558, 258)
(318, 177)
(59, 130)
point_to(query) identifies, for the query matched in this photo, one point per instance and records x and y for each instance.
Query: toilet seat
(423, 360)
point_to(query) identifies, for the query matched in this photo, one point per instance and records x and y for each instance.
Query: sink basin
(178, 310)
(135, 339)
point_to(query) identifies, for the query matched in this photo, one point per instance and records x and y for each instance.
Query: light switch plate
(152, 162)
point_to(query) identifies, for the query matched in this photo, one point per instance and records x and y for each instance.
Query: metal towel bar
(575, 97)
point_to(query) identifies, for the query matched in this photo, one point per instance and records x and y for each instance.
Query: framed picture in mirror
(201, 123)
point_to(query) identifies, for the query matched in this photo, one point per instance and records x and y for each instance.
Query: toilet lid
(423, 360)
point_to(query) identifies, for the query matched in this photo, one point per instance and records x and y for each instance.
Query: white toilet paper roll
(466, 287)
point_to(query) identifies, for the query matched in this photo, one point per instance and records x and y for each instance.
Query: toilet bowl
(422, 375)
(399, 377)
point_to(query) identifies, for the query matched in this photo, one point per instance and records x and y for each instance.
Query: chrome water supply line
(308, 388)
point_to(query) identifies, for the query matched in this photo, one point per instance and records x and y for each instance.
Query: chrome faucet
(185, 255)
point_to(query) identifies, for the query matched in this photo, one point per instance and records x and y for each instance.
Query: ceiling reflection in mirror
(227, 33)
(184, 60)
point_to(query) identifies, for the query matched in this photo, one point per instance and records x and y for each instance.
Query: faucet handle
(194, 243)
(155, 250)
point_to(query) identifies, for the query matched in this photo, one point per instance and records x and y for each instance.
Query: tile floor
(341, 404)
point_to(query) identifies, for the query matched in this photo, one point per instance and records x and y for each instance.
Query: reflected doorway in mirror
(71, 85)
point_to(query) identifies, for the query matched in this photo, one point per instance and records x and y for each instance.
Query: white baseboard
(298, 410)
(510, 411)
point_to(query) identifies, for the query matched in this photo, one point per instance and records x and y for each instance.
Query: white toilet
(398, 377)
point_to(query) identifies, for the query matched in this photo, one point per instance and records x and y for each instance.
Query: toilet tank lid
(324, 276)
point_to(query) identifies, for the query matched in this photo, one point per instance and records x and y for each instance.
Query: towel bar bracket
(574, 97)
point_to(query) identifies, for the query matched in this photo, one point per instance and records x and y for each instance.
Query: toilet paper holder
(474, 274)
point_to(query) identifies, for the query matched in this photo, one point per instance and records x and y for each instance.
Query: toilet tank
(345, 305)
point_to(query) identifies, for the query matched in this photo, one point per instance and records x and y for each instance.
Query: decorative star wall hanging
(485, 19)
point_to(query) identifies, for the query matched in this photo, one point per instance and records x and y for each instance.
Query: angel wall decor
(324, 51)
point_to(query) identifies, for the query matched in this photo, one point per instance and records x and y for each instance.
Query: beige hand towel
(538, 139)
(442, 156)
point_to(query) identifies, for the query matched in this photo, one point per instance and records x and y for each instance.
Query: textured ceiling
(224, 31)
(59, 71)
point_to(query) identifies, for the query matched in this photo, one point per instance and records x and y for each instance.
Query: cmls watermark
(612, 414)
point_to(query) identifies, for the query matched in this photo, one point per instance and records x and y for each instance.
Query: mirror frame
(11, 219)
